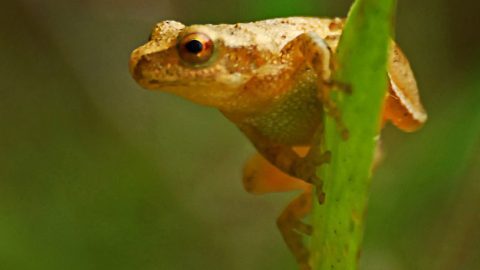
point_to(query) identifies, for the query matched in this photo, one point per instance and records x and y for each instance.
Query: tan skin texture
(270, 78)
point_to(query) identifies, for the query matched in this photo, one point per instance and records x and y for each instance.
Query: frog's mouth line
(159, 85)
(166, 86)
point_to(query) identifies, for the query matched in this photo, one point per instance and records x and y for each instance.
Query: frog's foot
(306, 169)
(293, 229)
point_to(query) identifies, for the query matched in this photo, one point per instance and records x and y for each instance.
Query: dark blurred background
(96, 173)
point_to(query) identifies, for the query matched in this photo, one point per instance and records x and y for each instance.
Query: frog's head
(193, 62)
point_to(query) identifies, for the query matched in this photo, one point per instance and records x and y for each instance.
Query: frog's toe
(339, 85)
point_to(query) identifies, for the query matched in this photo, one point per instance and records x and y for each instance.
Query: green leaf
(362, 64)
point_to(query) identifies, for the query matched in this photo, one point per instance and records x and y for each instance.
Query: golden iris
(195, 48)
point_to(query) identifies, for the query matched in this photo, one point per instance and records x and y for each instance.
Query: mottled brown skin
(271, 78)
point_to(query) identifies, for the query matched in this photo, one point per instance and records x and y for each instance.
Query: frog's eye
(195, 48)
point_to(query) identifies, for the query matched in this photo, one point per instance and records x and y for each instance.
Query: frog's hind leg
(293, 229)
(261, 177)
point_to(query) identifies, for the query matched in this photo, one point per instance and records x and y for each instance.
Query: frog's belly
(294, 119)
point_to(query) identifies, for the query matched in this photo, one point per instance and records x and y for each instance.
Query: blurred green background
(96, 173)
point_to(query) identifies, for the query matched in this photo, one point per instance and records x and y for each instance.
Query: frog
(272, 79)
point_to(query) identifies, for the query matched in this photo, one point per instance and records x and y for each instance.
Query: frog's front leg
(311, 50)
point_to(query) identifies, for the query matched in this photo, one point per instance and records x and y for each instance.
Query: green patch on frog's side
(362, 61)
(290, 120)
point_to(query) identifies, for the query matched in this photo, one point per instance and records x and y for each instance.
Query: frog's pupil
(194, 46)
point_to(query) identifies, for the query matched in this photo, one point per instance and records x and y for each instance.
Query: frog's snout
(150, 74)
(133, 65)
(137, 66)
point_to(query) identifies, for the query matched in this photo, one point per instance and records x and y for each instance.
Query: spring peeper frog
(270, 78)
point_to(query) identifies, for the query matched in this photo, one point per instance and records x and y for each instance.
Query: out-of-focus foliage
(96, 173)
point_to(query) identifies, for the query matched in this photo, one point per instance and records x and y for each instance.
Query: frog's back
(273, 34)
(290, 27)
